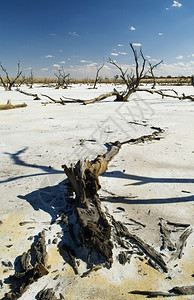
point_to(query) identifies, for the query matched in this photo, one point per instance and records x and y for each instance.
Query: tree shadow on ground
(144, 180)
(140, 180)
(50, 199)
(15, 157)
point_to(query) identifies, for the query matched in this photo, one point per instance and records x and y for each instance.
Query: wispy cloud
(62, 62)
(132, 28)
(160, 33)
(85, 61)
(176, 4)
(49, 56)
(44, 69)
(92, 65)
(56, 65)
(52, 34)
(179, 57)
(73, 33)
(123, 53)
(120, 45)
(114, 54)
(137, 44)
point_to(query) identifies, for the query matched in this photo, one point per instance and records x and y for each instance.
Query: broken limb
(175, 291)
(122, 231)
(181, 243)
(29, 94)
(53, 100)
(21, 281)
(99, 98)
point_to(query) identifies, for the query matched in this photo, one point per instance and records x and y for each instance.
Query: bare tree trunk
(97, 77)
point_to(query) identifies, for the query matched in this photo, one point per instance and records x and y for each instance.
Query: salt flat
(149, 181)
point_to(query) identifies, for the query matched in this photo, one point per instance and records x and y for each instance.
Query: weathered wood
(61, 101)
(40, 249)
(181, 243)
(11, 106)
(29, 94)
(122, 231)
(96, 99)
(25, 279)
(175, 291)
(29, 273)
(46, 294)
(95, 231)
(166, 233)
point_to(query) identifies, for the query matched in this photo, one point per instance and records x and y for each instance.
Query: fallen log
(53, 100)
(29, 94)
(175, 291)
(11, 106)
(95, 231)
(99, 98)
(29, 273)
(122, 231)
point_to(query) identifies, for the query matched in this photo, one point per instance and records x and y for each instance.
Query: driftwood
(166, 232)
(53, 100)
(46, 294)
(11, 106)
(175, 291)
(99, 98)
(181, 243)
(29, 94)
(95, 231)
(29, 274)
(122, 231)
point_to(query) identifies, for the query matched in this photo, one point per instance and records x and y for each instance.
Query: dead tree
(62, 79)
(30, 79)
(152, 73)
(8, 82)
(132, 80)
(97, 75)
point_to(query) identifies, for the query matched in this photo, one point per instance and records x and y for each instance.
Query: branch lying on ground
(29, 94)
(176, 291)
(11, 106)
(53, 100)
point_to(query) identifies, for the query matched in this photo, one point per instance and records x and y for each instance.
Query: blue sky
(78, 35)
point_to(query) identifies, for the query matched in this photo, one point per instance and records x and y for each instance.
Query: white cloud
(91, 65)
(44, 69)
(85, 61)
(114, 54)
(56, 66)
(193, 54)
(123, 53)
(176, 4)
(148, 56)
(62, 62)
(52, 34)
(49, 56)
(120, 45)
(160, 33)
(73, 33)
(167, 8)
(137, 44)
(132, 28)
(179, 57)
